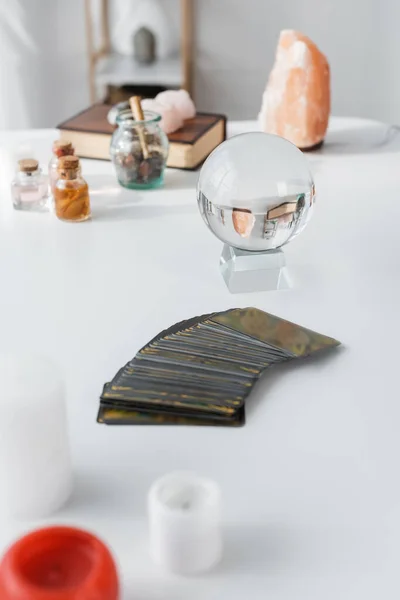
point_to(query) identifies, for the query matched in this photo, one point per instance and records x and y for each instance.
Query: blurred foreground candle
(185, 523)
(35, 468)
(58, 563)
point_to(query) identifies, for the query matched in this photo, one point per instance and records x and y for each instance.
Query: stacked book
(90, 134)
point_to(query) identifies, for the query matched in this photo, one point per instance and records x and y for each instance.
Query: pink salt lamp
(243, 222)
(296, 101)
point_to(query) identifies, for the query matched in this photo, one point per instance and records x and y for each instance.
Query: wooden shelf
(117, 69)
(107, 68)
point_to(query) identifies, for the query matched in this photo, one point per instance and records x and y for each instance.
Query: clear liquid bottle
(71, 192)
(30, 189)
(60, 148)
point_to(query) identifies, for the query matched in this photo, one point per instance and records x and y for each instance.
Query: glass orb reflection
(255, 191)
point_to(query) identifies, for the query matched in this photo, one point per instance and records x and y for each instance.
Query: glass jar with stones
(139, 150)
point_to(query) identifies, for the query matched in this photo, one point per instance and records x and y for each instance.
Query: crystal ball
(255, 191)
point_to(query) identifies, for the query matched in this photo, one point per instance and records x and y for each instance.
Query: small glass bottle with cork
(60, 148)
(29, 189)
(71, 192)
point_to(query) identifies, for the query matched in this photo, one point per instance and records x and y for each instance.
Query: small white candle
(185, 523)
(35, 467)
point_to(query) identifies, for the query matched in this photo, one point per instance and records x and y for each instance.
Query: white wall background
(43, 70)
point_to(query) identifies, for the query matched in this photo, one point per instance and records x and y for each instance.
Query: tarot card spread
(200, 371)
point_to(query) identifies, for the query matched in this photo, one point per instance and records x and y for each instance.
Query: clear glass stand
(245, 271)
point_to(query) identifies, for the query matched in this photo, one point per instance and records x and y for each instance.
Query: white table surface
(311, 485)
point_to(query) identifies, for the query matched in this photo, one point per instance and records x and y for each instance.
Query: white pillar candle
(35, 467)
(185, 523)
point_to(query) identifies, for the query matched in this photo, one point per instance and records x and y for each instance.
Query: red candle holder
(58, 563)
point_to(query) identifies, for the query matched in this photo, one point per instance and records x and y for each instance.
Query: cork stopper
(28, 165)
(68, 167)
(68, 163)
(64, 145)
